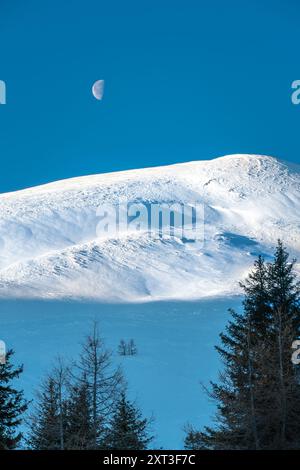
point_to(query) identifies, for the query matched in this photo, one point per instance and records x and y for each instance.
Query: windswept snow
(49, 246)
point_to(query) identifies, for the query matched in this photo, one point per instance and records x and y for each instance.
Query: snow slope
(49, 246)
(175, 342)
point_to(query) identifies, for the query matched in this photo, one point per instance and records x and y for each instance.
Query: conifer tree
(122, 348)
(79, 433)
(12, 404)
(132, 349)
(284, 291)
(128, 430)
(44, 423)
(258, 394)
(48, 421)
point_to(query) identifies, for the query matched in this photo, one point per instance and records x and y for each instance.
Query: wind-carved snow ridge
(50, 247)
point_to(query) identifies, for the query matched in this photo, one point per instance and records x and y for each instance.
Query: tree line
(84, 405)
(81, 406)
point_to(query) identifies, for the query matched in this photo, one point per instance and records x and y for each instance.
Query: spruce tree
(128, 430)
(12, 404)
(45, 420)
(284, 291)
(79, 433)
(48, 421)
(258, 405)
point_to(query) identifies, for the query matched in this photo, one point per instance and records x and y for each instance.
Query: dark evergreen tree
(48, 421)
(80, 433)
(195, 440)
(127, 349)
(12, 404)
(258, 392)
(122, 348)
(128, 430)
(132, 349)
(45, 421)
(283, 413)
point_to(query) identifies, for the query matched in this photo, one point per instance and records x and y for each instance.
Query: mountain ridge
(49, 246)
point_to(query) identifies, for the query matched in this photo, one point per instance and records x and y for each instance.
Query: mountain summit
(50, 247)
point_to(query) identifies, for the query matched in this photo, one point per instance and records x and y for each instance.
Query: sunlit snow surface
(49, 247)
(57, 275)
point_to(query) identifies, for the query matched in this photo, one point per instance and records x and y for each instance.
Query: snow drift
(49, 247)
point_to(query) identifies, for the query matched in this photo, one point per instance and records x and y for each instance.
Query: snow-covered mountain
(49, 245)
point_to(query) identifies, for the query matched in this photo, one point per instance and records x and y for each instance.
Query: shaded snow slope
(49, 246)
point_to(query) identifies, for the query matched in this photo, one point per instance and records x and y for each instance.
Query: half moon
(98, 89)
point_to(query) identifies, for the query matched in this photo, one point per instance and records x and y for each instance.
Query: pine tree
(128, 429)
(258, 394)
(12, 404)
(79, 433)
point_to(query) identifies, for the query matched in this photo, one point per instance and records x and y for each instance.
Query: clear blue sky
(184, 80)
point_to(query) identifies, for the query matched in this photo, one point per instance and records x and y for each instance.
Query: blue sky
(184, 80)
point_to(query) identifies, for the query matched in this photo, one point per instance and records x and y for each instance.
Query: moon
(98, 89)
